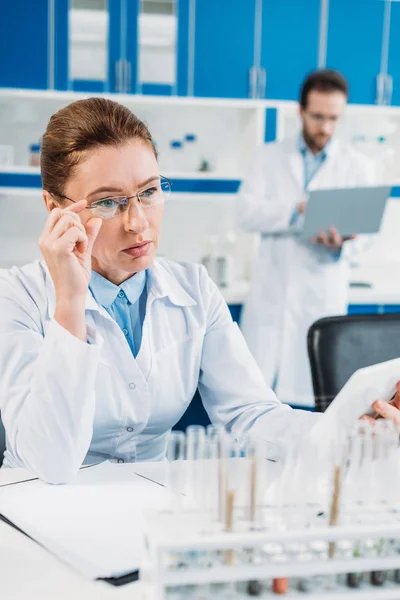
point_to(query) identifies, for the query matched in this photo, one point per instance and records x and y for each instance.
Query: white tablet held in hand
(350, 210)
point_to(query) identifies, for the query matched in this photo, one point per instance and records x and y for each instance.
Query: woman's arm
(233, 388)
(47, 397)
(47, 378)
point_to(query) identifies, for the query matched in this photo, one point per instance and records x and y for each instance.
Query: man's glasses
(112, 206)
(321, 119)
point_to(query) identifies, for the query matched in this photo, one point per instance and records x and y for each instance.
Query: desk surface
(29, 571)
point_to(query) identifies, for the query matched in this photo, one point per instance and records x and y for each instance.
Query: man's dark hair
(323, 80)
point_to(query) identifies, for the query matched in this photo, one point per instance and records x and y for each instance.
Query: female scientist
(102, 345)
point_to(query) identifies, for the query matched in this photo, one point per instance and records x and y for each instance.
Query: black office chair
(338, 346)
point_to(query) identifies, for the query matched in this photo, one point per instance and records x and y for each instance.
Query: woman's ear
(49, 201)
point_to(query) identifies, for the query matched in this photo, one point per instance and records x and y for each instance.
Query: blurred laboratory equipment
(327, 525)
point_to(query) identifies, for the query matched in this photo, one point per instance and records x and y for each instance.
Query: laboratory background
(213, 79)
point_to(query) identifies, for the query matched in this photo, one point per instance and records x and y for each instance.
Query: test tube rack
(170, 536)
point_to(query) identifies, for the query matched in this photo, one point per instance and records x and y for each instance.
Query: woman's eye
(106, 203)
(149, 192)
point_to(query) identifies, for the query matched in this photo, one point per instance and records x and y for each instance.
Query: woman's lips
(137, 251)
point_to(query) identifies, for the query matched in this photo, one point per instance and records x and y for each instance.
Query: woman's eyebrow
(112, 188)
(107, 188)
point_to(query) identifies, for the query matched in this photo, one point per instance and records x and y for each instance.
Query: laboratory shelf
(70, 96)
(245, 103)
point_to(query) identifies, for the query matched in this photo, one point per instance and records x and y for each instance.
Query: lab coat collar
(162, 284)
(296, 164)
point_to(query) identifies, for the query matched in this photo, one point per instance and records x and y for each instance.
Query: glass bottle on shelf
(191, 156)
(34, 155)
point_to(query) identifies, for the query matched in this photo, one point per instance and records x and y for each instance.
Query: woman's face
(128, 242)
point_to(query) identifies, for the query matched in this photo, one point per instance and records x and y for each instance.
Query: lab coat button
(132, 385)
(130, 429)
(125, 331)
(121, 294)
(120, 460)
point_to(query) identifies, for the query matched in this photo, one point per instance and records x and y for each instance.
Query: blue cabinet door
(354, 45)
(290, 33)
(112, 29)
(24, 46)
(223, 48)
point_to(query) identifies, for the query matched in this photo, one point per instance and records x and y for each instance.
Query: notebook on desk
(95, 524)
(350, 210)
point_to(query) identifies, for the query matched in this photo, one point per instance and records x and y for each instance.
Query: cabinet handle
(253, 77)
(119, 76)
(262, 81)
(389, 90)
(127, 76)
(380, 89)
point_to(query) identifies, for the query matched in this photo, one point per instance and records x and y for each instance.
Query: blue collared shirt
(312, 162)
(125, 303)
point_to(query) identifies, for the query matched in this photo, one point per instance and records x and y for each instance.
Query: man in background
(294, 283)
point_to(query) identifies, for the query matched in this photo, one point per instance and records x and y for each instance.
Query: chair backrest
(338, 346)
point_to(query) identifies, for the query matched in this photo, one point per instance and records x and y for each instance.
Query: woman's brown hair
(80, 127)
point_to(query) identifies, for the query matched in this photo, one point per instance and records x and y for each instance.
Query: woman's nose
(135, 218)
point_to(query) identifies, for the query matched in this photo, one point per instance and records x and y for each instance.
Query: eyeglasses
(320, 119)
(112, 206)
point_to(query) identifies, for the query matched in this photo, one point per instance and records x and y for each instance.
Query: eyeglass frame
(137, 195)
(320, 119)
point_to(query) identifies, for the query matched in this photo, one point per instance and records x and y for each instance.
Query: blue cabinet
(354, 45)
(224, 48)
(93, 46)
(24, 44)
(290, 33)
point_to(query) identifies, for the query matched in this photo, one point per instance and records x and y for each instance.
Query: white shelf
(138, 99)
(194, 175)
(20, 170)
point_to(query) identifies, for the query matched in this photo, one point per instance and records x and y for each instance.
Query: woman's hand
(66, 245)
(387, 410)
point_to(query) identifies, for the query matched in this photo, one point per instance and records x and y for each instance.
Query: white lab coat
(293, 283)
(63, 400)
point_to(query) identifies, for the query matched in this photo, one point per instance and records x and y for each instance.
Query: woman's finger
(57, 213)
(63, 224)
(72, 238)
(51, 220)
(396, 400)
(387, 411)
(76, 207)
(370, 420)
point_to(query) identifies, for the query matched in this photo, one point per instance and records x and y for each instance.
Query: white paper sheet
(95, 524)
(366, 385)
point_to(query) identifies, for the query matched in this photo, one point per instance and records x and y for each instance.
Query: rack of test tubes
(325, 525)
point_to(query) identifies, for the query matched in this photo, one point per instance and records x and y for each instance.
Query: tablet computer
(350, 210)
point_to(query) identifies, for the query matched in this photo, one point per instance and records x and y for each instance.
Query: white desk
(28, 571)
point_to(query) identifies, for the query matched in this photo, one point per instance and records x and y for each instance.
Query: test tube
(175, 479)
(196, 454)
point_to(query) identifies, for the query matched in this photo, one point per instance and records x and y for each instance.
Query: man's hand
(386, 410)
(331, 239)
(302, 207)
